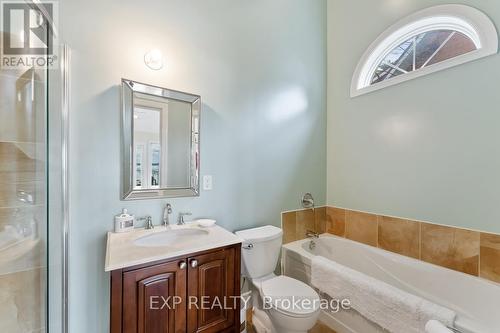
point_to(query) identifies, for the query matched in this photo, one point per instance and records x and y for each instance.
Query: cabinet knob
(182, 265)
(194, 263)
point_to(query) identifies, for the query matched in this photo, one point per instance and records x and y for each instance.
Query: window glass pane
(397, 62)
(457, 45)
(155, 165)
(384, 72)
(431, 47)
(428, 43)
(139, 162)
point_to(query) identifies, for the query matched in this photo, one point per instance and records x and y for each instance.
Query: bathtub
(476, 301)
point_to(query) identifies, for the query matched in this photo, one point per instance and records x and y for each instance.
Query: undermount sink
(171, 237)
(142, 246)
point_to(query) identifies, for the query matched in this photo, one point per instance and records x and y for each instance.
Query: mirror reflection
(162, 131)
(162, 140)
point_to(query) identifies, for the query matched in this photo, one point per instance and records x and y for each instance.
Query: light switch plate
(208, 182)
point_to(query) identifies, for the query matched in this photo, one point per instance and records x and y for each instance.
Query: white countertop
(121, 252)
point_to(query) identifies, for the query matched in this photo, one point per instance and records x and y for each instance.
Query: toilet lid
(290, 296)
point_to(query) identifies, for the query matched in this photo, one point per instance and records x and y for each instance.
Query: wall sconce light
(154, 59)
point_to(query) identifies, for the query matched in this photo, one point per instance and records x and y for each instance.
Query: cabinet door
(211, 284)
(154, 299)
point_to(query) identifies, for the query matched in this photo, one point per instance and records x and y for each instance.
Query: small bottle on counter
(124, 222)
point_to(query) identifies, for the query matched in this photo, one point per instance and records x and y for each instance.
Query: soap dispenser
(124, 222)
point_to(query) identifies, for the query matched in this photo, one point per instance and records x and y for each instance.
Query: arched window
(427, 41)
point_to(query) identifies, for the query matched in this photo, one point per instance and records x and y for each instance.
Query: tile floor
(318, 328)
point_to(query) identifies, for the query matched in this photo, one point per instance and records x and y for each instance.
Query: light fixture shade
(154, 59)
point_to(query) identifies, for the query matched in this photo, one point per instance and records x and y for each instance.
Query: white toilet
(285, 304)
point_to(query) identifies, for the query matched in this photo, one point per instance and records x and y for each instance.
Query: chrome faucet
(180, 220)
(311, 234)
(149, 222)
(167, 210)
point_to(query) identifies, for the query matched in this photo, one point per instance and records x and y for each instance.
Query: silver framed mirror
(160, 142)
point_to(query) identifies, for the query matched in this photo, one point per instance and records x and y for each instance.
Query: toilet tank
(260, 250)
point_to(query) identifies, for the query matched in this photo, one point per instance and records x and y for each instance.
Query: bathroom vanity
(175, 279)
(171, 278)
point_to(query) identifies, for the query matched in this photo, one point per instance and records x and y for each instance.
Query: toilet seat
(290, 297)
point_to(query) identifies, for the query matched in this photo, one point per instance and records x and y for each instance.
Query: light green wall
(260, 67)
(427, 149)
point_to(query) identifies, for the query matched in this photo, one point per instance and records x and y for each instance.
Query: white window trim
(467, 20)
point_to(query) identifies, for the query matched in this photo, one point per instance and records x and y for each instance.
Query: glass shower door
(23, 200)
(33, 200)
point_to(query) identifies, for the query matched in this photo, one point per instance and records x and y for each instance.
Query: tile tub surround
(490, 257)
(361, 227)
(399, 236)
(467, 251)
(453, 248)
(296, 223)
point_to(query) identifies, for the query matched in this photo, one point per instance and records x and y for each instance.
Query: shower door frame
(65, 79)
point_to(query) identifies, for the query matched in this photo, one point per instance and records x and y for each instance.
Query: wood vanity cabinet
(192, 293)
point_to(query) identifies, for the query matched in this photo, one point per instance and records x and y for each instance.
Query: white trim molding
(464, 19)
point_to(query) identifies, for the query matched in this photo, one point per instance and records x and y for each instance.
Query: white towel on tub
(434, 326)
(393, 309)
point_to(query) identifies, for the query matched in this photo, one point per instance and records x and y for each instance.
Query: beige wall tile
(335, 221)
(450, 247)
(20, 180)
(16, 166)
(361, 227)
(22, 216)
(490, 257)
(22, 301)
(24, 255)
(320, 220)
(458, 249)
(22, 120)
(305, 222)
(399, 236)
(22, 194)
(288, 221)
(295, 224)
